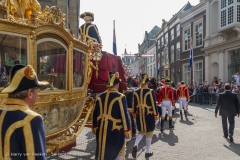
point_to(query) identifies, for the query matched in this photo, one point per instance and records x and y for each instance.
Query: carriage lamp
(95, 53)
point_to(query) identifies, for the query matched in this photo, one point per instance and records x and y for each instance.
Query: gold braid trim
(25, 123)
(153, 105)
(97, 33)
(1, 121)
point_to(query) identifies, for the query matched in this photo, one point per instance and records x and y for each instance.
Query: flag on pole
(191, 54)
(114, 39)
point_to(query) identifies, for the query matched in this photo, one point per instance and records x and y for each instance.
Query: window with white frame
(230, 15)
(172, 75)
(223, 3)
(227, 12)
(198, 72)
(166, 38)
(187, 37)
(198, 34)
(187, 74)
(178, 30)
(172, 34)
(178, 75)
(178, 51)
(223, 18)
(172, 53)
(166, 56)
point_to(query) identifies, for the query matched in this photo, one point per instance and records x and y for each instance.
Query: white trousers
(166, 105)
(183, 103)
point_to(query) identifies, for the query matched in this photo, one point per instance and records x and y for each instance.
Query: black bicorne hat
(87, 14)
(22, 78)
(144, 78)
(113, 79)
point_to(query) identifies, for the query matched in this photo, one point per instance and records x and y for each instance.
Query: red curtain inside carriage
(109, 62)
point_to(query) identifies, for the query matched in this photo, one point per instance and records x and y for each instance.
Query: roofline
(175, 16)
(199, 5)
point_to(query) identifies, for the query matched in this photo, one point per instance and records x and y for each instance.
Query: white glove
(156, 122)
(126, 140)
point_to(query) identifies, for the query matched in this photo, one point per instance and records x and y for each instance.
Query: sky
(132, 19)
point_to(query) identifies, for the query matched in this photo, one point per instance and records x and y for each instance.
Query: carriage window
(52, 64)
(13, 50)
(78, 68)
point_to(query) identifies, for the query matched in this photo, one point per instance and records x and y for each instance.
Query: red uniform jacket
(182, 91)
(166, 93)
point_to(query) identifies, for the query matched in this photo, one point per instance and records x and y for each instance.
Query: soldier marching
(183, 98)
(166, 99)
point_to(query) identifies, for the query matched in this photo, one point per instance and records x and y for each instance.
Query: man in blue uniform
(146, 114)
(111, 122)
(89, 30)
(129, 96)
(22, 134)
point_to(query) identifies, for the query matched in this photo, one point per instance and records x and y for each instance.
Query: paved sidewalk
(200, 137)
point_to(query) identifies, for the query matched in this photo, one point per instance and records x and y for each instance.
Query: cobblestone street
(198, 137)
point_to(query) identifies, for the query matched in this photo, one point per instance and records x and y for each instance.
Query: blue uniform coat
(145, 109)
(22, 134)
(91, 30)
(111, 118)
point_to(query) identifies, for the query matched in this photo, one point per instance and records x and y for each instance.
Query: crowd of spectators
(207, 93)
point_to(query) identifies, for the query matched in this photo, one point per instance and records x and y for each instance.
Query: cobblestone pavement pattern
(200, 137)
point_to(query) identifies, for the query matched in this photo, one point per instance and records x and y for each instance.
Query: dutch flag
(191, 54)
(114, 40)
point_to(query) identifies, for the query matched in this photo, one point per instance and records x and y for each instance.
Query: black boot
(170, 124)
(181, 115)
(162, 125)
(166, 117)
(185, 112)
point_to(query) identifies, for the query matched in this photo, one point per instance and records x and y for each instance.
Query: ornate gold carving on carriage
(39, 37)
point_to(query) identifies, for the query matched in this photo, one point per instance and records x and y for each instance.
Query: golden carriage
(40, 38)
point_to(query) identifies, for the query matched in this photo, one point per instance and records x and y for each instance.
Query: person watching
(22, 129)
